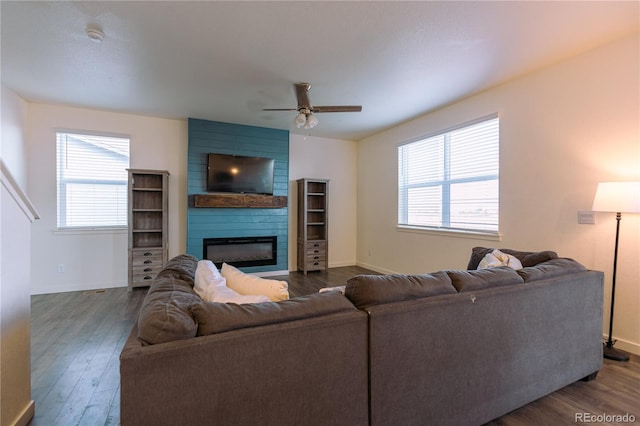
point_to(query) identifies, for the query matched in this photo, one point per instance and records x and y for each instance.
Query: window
(92, 180)
(451, 180)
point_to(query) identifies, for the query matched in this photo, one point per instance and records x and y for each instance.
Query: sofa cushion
(248, 284)
(182, 267)
(550, 269)
(369, 290)
(527, 258)
(165, 315)
(215, 318)
(481, 279)
(211, 286)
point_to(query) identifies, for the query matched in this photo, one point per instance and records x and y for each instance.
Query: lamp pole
(609, 351)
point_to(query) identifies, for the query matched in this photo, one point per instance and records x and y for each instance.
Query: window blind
(451, 179)
(91, 180)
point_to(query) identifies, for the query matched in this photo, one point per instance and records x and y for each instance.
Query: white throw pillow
(248, 284)
(497, 258)
(207, 275)
(211, 286)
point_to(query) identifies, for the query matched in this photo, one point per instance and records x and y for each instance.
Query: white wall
(16, 216)
(333, 159)
(97, 260)
(563, 129)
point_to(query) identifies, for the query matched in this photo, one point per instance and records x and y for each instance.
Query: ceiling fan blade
(337, 108)
(302, 96)
(279, 109)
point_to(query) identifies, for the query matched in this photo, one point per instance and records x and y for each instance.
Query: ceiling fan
(306, 111)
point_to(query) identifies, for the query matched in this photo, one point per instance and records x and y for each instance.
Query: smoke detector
(95, 34)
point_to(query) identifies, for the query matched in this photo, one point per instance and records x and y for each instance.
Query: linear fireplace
(241, 251)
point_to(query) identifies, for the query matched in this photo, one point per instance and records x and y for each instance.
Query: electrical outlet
(586, 217)
(61, 267)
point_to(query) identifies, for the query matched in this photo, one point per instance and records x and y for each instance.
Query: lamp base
(609, 352)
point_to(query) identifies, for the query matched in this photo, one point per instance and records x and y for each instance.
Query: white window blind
(451, 180)
(91, 180)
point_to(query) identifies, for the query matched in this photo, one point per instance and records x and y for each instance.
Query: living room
(565, 126)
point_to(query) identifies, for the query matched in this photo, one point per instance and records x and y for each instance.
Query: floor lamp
(616, 197)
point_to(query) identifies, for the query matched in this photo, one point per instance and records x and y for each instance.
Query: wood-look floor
(76, 340)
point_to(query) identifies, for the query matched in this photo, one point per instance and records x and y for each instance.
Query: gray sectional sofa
(447, 348)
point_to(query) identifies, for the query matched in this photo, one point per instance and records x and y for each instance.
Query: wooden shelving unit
(148, 225)
(313, 227)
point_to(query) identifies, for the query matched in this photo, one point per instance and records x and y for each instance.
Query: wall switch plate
(586, 217)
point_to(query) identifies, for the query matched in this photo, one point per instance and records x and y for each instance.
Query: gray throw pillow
(550, 269)
(527, 258)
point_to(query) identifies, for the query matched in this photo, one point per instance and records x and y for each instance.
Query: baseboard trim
(270, 273)
(76, 287)
(27, 414)
(625, 345)
(341, 264)
(375, 268)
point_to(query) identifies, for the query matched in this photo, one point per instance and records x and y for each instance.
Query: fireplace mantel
(240, 201)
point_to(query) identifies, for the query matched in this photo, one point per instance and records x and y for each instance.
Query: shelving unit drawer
(144, 279)
(316, 247)
(313, 258)
(147, 269)
(316, 265)
(150, 257)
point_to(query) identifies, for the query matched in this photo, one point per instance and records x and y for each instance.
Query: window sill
(89, 231)
(456, 233)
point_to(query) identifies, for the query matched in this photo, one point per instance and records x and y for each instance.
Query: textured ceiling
(225, 61)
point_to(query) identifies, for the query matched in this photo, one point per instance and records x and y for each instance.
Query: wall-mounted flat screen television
(240, 174)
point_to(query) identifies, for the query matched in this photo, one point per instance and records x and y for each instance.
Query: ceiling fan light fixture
(312, 122)
(305, 117)
(300, 120)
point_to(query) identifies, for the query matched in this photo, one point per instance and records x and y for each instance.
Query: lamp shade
(622, 197)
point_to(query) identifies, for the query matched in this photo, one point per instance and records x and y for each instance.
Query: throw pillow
(497, 258)
(207, 275)
(211, 286)
(248, 284)
(527, 258)
(551, 269)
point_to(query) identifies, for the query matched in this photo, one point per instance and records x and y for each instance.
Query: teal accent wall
(211, 136)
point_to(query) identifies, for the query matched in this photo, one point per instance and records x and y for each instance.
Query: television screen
(240, 174)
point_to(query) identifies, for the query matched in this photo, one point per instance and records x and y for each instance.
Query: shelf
(148, 223)
(255, 201)
(312, 225)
